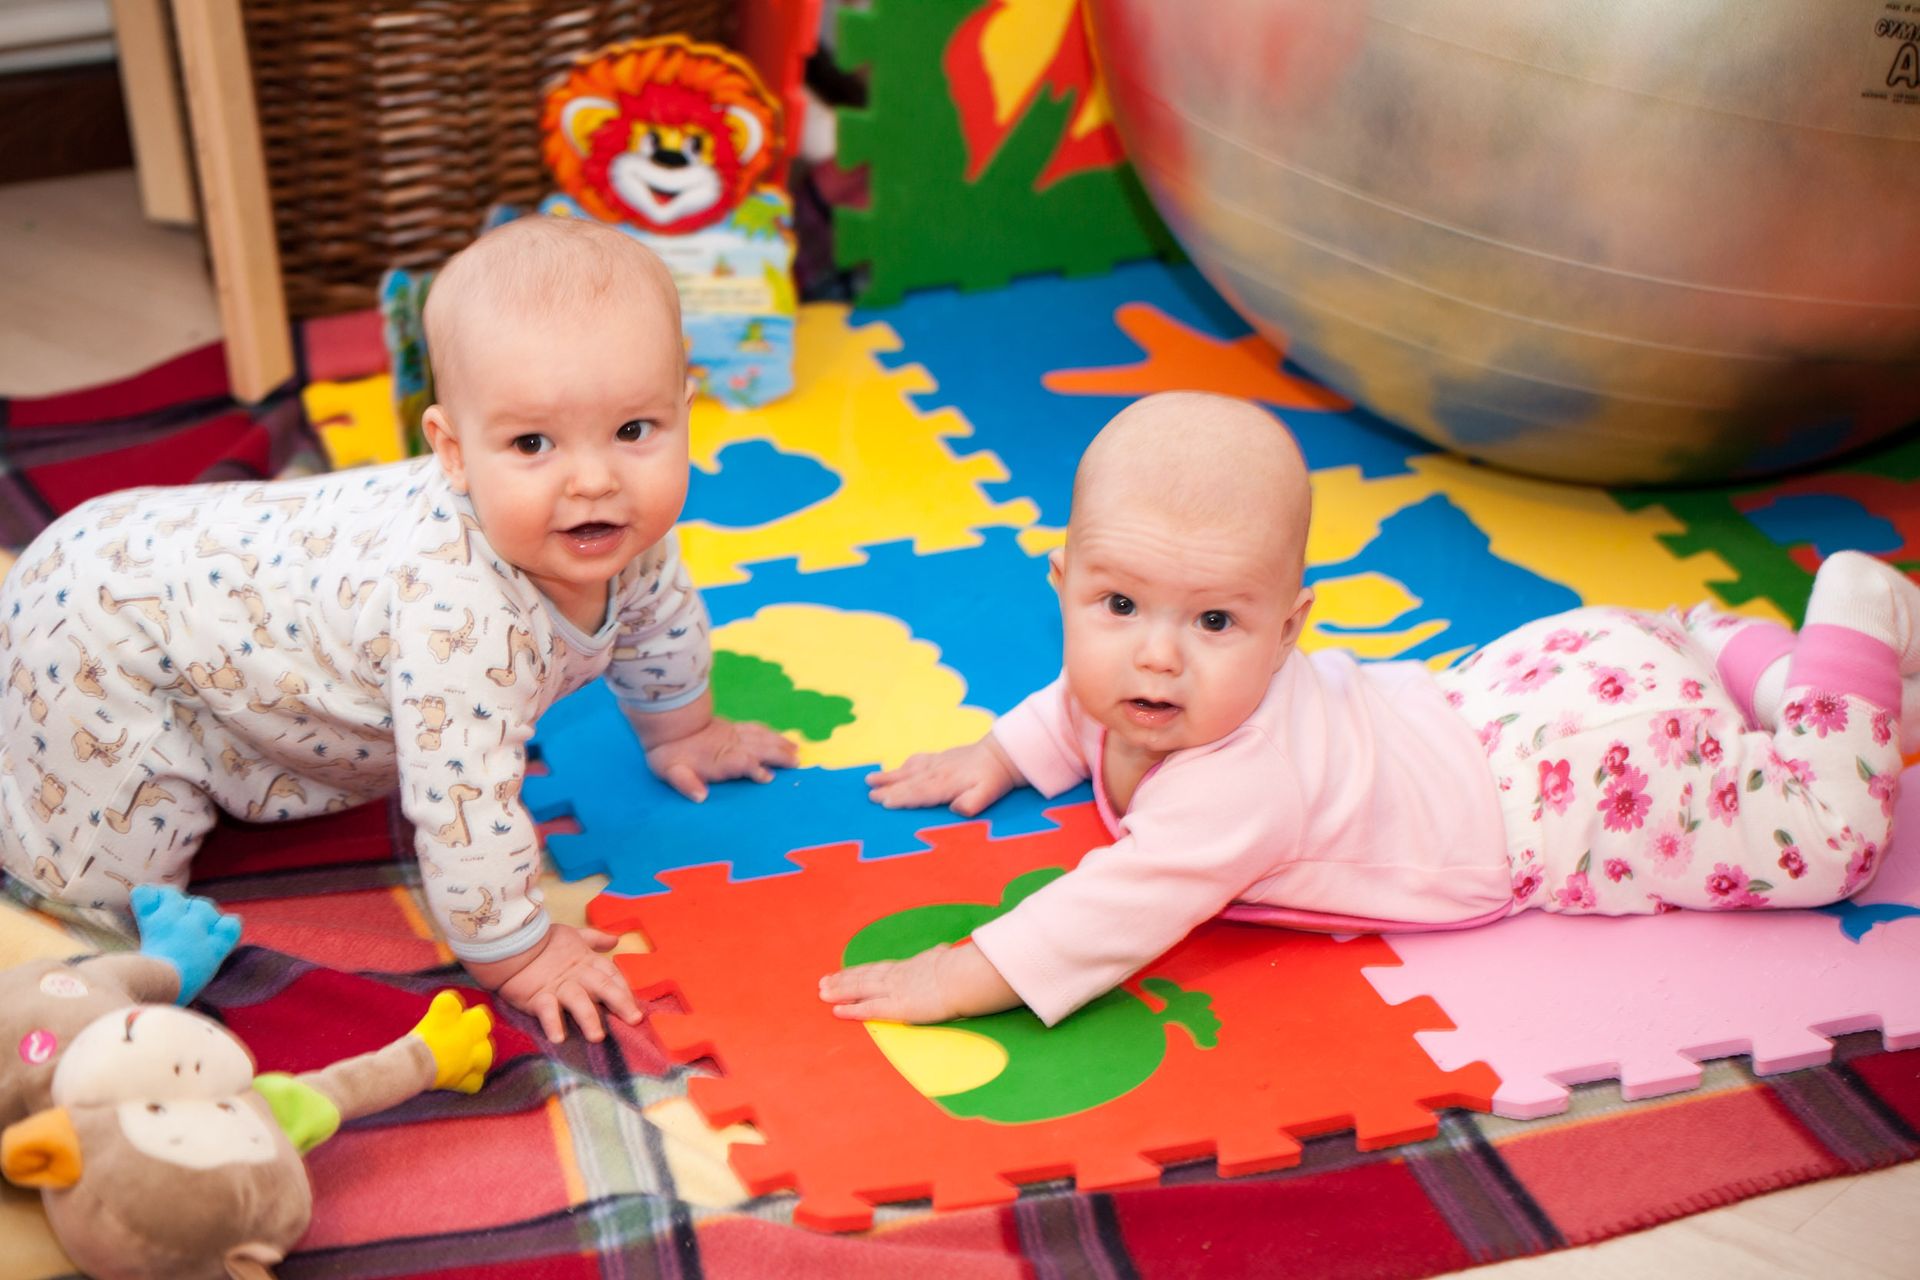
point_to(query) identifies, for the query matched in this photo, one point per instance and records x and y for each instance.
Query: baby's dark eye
(531, 444)
(155, 1109)
(1215, 620)
(637, 429)
(1119, 606)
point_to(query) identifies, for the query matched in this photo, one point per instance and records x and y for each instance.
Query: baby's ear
(445, 445)
(1296, 621)
(1056, 567)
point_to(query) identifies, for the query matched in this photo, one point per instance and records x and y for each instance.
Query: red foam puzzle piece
(1305, 1045)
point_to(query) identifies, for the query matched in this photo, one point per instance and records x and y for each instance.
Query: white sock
(1770, 694)
(1868, 595)
(1909, 715)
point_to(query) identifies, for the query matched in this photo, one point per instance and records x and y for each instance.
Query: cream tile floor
(90, 291)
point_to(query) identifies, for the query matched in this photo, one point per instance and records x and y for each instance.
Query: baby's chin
(1164, 735)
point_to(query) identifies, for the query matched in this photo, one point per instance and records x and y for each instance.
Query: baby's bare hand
(966, 779)
(571, 974)
(938, 985)
(720, 751)
(891, 990)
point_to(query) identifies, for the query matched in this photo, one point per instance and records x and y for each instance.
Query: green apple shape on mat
(1009, 1067)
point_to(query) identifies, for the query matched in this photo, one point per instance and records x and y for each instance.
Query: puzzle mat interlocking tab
(1303, 1047)
(1553, 1001)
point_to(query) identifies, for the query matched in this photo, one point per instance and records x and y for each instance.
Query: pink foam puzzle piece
(1553, 1001)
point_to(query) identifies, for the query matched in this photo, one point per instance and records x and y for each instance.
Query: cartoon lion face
(663, 133)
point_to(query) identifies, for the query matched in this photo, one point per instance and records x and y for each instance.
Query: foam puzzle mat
(1208, 1052)
(872, 550)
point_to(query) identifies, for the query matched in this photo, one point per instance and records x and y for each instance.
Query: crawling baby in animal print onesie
(286, 649)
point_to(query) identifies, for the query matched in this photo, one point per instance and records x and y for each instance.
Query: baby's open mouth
(588, 532)
(1148, 704)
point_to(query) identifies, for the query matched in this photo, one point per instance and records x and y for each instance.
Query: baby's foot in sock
(1868, 595)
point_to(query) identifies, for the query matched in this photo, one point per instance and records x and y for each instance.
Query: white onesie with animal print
(291, 648)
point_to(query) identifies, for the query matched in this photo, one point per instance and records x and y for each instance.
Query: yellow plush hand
(460, 1040)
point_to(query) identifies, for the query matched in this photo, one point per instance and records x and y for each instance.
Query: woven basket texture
(390, 126)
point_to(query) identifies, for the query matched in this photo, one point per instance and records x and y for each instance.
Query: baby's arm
(661, 661)
(460, 738)
(1199, 833)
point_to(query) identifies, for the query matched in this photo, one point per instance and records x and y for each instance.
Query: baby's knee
(97, 904)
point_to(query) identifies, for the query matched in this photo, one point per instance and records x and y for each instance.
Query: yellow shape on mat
(939, 1060)
(356, 420)
(1364, 600)
(904, 700)
(849, 412)
(1581, 538)
(1348, 509)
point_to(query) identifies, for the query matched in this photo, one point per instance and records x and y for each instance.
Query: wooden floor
(88, 291)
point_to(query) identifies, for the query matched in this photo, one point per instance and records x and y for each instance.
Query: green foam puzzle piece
(1764, 569)
(750, 688)
(925, 223)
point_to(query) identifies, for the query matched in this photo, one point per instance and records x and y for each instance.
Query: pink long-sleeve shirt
(1352, 799)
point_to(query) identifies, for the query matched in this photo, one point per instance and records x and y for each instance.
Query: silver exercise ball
(1611, 241)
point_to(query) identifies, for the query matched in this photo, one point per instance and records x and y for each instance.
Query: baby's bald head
(1202, 461)
(535, 270)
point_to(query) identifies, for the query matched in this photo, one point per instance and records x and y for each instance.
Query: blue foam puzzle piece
(633, 826)
(1826, 522)
(988, 608)
(1857, 919)
(1447, 563)
(988, 352)
(756, 482)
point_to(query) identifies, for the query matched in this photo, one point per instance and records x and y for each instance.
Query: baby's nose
(1158, 651)
(591, 477)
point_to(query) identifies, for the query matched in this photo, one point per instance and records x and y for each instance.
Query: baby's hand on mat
(938, 985)
(965, 779)
(569, 972)
(720, 751)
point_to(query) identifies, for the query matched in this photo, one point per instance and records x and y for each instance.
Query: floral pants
(1631, 781)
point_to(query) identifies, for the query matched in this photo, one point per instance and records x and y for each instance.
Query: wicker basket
(390, 126)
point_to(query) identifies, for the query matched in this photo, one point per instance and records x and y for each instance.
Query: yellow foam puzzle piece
(898, 479)
(904, 700)
(1365, 600)
(1581, 538)
(356, 420)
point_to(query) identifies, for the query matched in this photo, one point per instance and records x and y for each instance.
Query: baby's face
(570, 438)
(1173, 634)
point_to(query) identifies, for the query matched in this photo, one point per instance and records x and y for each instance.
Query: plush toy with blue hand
(45, 1003)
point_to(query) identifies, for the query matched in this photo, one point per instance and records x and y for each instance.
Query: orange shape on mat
(1305, 1046)
(1184, 359)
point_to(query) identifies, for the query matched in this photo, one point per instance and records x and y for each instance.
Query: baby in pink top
(1604, 760)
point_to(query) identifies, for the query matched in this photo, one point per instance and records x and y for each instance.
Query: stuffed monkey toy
(164, 1157)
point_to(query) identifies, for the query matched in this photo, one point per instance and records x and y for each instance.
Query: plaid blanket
(585, 1161)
